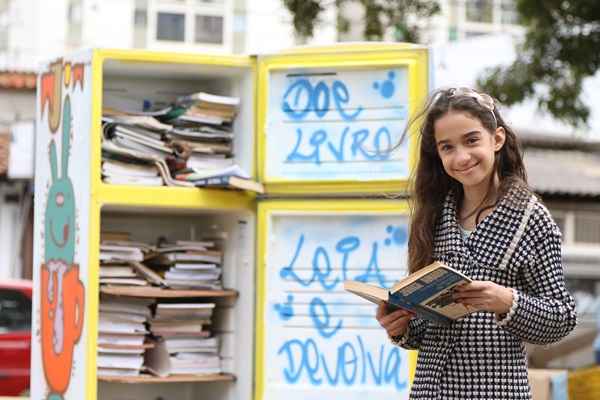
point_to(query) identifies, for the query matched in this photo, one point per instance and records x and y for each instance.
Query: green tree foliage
(304, 14)
(560, 49)
(379, 16)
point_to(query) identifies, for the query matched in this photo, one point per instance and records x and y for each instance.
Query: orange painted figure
(51, 94)
(65, 294)
(77, 75)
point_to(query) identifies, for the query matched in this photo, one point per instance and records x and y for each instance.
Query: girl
(473, 210)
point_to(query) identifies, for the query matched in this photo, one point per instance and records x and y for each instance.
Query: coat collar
(490, 240)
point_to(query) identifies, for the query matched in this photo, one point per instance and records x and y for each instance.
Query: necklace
(477, 211)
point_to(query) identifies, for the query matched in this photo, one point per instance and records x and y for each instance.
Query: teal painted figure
(62, 293)
(60, 205)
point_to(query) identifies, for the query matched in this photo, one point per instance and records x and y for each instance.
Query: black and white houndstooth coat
(481, 356)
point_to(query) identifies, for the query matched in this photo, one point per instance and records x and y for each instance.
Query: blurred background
(540, 59)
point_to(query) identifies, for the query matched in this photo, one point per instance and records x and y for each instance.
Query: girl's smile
(468, 169)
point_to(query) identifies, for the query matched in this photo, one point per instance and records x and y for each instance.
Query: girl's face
(467, 148)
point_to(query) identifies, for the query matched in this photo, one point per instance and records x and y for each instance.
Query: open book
(427, 292)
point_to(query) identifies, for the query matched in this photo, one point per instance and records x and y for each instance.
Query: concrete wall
(37, 32)
(11, 230)
(107, 23)
(269, 27)
(16, 106)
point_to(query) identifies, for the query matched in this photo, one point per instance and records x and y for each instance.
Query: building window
(5, 23)
(479, 11)
(140, 26)
(471, 18)
(170, 26)
(4, 5)
(209, 29)
(560, 220)
(587, 228)
(74, 22)
(189, 22)
(474, 34)
(3, 38)
(508, 13)
(15, 311)
(452, 34)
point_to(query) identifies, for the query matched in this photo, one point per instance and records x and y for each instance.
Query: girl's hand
(396, 322)
(484, 296)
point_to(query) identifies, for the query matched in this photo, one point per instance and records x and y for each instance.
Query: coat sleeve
(414, 335)
(544, 311)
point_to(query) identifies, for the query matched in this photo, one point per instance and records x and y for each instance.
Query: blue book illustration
(230, 181)
(427, 292)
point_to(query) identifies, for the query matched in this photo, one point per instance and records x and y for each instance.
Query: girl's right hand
(396, 322)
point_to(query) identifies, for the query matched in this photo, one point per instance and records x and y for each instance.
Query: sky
(459, 64)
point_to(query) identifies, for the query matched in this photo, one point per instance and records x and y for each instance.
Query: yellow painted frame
(131, 197)
(414, 58)
(206, 199)
(265, 211)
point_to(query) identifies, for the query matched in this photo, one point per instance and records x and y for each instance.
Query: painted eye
(60, 199)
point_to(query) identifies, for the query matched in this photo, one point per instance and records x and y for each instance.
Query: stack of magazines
(198, 357)
(183, 344)
(121, 263)
(122, 335)
(192, 135)
(203, 123)
(189, 264)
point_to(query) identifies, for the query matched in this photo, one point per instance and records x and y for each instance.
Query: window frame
(190, 9)
(585, 215)
(569, 232)
(464, 27)
(25, 301)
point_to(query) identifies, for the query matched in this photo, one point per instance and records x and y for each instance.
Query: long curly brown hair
(431, 183)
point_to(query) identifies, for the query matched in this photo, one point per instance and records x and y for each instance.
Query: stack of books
(131, 173)
(192, 135)
(119, 273)
(133, 149)
(120, 263)
(203, 123)
(181, 319)
(183, 345)
(189, 264)
(122, 335)
(121, 251)
(198, 356)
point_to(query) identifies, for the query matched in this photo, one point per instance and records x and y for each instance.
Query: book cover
(231, 170)
(231, 181)
(427, 292)
(209, 100)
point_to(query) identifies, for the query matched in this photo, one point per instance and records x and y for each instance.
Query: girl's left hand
(484, 296)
